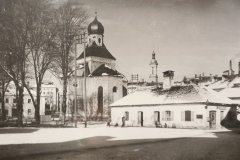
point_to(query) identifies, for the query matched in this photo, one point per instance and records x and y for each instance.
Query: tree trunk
(3, 108)
(4, 88)
(20, 105)
(64, 103)
(37, 105)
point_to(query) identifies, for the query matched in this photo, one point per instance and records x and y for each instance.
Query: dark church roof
(105, 70)
(97, 51)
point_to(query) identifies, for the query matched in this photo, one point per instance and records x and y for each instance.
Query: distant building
(177, 107)
(28, 108)
(104, 83)
(50, 93)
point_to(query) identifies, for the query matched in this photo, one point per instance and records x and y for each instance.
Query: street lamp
(80, 39)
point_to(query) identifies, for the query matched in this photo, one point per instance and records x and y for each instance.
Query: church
(104, 84)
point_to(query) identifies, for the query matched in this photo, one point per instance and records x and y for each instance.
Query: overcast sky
(188, 36)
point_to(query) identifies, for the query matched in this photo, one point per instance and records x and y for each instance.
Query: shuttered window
(187, 116)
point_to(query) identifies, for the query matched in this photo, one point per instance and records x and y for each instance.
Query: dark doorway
(140, 118)
(156, 116)
(100, 100)
(212, 119)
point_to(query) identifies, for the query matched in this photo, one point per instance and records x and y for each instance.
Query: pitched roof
(97, 51)
(104, 70)
(175, 95)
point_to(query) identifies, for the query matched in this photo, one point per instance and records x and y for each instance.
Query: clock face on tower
(94, 27)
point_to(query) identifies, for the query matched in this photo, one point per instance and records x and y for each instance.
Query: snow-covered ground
(57, 135)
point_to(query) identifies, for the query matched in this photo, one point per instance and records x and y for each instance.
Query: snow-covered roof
(219, 84)
(175, 95)
(231, 92)
(225, 83)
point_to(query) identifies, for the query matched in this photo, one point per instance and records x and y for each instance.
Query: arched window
(124, 91)
(100, 100)
(99, 40)
(114, 89)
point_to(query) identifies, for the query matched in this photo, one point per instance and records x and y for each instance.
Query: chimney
(230, 68)
(168, 79)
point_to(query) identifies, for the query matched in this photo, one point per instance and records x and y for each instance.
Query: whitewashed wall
(148, 115)
(93, 83)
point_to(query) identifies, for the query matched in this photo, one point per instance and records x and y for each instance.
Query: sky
(188, 36)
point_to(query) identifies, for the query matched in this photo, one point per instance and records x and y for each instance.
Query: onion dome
(95, 27)
(153, 60)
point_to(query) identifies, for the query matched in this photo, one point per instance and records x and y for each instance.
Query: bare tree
(16, 22)
(41, 47)
(70, 19)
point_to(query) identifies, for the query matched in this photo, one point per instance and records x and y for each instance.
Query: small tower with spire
(95, 32)
(154, 66)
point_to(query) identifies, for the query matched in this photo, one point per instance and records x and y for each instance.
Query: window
(114, 89)
(14, 100)
(7, 100)
(99, 40)
(126, 116)
(168, 116)
(6, 111)
(29, 100)
(29, 111)
(124, 91)
(187, 115)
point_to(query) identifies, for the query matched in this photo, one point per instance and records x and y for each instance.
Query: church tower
(95, 32)
(96, 52)
(154, 66)
(104, 83)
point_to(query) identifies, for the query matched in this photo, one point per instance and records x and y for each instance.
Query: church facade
(104, 84)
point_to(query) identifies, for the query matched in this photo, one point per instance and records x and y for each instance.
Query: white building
(104, 84)
(180, 107)
(50, 93)
(28, 108)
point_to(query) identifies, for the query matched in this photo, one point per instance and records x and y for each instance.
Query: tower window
(114, 89)
(99, 40)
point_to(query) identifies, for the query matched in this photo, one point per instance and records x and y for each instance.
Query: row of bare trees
(36, 36)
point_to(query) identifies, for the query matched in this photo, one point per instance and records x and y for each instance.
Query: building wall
(177, 119)
(28, 108)
(93, 83)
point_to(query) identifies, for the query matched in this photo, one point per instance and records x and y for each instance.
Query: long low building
(178, 107)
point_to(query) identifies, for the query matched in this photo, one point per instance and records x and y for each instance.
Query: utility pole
(83, 41)
(75, 84)
(85, 80)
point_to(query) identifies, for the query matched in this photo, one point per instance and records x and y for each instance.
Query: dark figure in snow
(123, 121)
(165, 125)
(109, 123)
